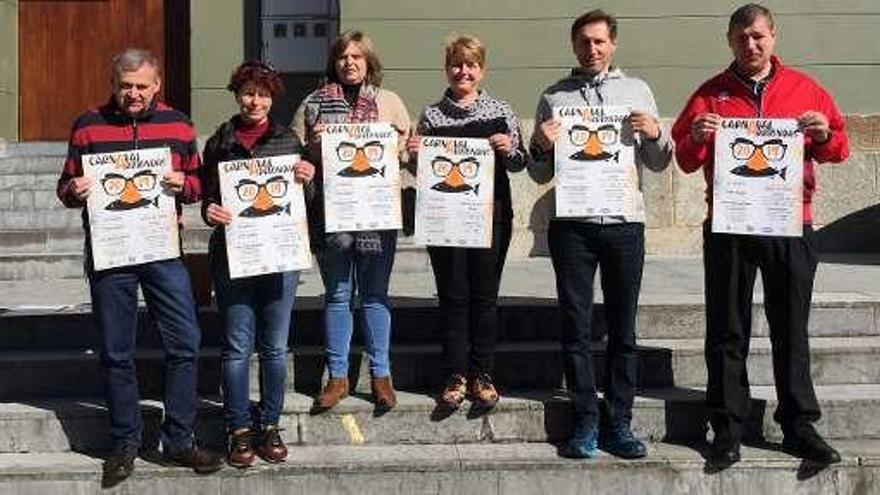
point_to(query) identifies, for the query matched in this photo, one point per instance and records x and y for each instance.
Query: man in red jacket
(133, 118)
(755, 85)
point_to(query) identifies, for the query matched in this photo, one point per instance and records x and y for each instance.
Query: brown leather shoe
(482, 392)
(202, 461)
(335, 390)
(453, 392)
(271, 447)
(241, 451)
(383, 393)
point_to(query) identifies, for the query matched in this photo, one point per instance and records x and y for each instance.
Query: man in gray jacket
(615, 243)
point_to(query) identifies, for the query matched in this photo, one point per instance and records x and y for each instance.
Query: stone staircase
(53, 422)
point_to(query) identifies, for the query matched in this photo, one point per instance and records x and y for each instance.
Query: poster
(455, 179)
(269, 230)
(132, 217)
(758, 183)
(595, 162)
(361, 177)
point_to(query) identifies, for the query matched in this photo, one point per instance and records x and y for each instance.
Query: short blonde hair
(465, 48)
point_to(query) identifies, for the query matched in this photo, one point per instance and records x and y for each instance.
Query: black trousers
(577, 249)
(788, 266)
(467, 287)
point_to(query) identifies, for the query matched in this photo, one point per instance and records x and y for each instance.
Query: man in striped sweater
(135, 119)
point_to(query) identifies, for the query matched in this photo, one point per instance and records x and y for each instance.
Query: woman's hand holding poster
(361, 177)
(269, 231)
(456, 178)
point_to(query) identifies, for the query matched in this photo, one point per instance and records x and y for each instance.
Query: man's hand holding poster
(595, 162)
(758, 186)
(132, 217)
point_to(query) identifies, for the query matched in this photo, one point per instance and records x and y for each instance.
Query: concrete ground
(666, 280)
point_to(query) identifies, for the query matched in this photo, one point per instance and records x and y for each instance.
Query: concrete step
(670, 414)
(512, 469)
(420, 366)
(33, 319)
(58, 254)
(414, 320)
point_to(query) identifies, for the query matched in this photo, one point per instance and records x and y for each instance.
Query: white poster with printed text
(361, 177)
(132, 216)
(595, 162)
(455, 180)
(758, 183)
(269, 232)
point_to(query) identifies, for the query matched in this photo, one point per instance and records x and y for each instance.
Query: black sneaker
(805, 443)
(619, 441)
(118, 466)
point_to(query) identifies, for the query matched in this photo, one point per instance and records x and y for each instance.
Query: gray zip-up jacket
(612, 88)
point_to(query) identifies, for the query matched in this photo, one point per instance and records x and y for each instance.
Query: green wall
(217, 48)
(674, 44)
(9, 70)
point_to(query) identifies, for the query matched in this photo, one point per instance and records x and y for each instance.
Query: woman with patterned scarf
(352, 260)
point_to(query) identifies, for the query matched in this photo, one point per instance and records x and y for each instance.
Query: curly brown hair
(259, 74)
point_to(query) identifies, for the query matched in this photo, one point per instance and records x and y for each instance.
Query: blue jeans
(344, 272)
(253, 310)
(576, 249)
(169, 299)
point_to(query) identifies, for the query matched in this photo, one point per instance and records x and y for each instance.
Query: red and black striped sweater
(107, 129)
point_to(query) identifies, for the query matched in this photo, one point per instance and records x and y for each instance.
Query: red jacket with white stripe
(787, 94)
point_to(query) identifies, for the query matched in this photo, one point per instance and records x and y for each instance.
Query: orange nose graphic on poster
(360, 159)
(130, 191)
(758, 158)
(594, 142)
(262, 196)
(456, 174)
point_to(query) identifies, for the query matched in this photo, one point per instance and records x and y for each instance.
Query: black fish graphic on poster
(758, 157)
(130, 191)
(360, 159)
(456, 175)
(262, 197)
(594, 143)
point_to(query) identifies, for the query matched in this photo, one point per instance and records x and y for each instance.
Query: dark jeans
(576, 249)
(788, 265)
(467, 286)
(254, 312)
(169, 299)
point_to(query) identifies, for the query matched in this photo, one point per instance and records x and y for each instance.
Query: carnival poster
(455, 180)
(595, 162)
(269, 232)
(361, 177)
(758, 183)
(132, 217)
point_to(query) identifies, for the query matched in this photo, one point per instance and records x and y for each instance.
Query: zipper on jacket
(134, 127)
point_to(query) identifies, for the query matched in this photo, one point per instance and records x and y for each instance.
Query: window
(280, 30)
(299, 30)
(319, 30)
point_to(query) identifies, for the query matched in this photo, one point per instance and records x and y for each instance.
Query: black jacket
(223, 146)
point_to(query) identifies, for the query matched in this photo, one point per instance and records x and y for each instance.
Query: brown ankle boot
(383, 393)
(335, 390)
